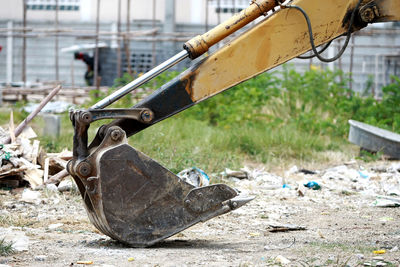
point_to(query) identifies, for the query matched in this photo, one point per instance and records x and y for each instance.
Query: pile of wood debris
(23, 160)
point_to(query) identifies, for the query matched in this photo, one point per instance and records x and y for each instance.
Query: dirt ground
(343, 228)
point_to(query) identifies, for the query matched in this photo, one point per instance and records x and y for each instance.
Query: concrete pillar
(331, 54)
(9, 53)
(196, 8)
(114, 37)
(86, 10)
(52, 125)
(169, 26)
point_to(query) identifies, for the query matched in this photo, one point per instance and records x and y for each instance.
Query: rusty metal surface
(389, 10)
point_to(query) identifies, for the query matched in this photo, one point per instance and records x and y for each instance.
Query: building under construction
(39, 39)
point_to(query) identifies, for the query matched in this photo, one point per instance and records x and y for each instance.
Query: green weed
(368, 156)
(6, 248)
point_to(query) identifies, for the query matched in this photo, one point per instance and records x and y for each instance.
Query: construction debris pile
(24, 161)
(381, 182)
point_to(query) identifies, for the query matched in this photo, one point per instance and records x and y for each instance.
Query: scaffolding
(124, 37)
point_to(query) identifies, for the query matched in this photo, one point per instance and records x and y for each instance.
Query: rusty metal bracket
(81, 120)
(143, 115)
(369, 12)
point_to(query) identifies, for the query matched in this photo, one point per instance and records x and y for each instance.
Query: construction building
(38, 39)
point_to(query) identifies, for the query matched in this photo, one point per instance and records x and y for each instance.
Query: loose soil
(343, 228)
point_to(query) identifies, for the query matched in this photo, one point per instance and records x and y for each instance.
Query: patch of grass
(179, 143)
(343, 247)
(367, 156)
(6, 248)
(16, 220)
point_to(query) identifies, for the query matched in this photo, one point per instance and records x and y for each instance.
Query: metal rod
(207, 1)
(96, 53)
(10, 54)
(119, 55)
(141, 80)
(24, 44)
(56, 43)
(219, 12)
(351, 63)
(340, 65)
(153, 47)
(126, 40)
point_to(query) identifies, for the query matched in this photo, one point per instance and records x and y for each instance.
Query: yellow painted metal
(201, 43)
(389, 10)
(272, 42)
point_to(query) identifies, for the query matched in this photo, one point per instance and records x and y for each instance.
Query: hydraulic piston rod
(196, 46)
(141, 80)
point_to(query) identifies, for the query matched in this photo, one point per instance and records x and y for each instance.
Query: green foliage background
(277, 117)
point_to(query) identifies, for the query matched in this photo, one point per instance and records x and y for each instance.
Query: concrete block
(52, 125)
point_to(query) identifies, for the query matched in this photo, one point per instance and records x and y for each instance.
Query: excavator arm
(135, 200)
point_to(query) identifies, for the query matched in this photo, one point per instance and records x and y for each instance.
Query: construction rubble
(295, 214)
(380, 181)
(23, 162)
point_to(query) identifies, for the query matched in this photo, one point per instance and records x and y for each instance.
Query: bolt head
(368, 15)
(116, 135)
(86, 117)
(84, 169)
(147, 116)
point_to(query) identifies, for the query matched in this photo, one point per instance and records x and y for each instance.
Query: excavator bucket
(135, 200)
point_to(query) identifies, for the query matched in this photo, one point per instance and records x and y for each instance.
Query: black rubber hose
(316, 53)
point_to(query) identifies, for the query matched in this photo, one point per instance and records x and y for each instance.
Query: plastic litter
(40, 258)
(382, 251)
(385, 203)
(363, 175)
(294, 169)
(313, 185)
(242, 174)
(282, 260)
(30, 196)
(55, 226)
(386, 219)
(195, 177)
(305, 171)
